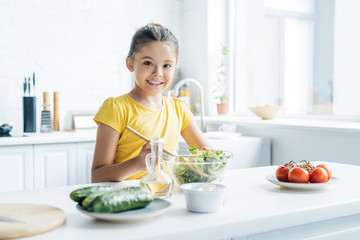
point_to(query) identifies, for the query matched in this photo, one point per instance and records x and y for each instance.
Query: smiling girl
(119, 154)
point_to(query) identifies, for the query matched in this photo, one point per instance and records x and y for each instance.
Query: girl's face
(153, 66)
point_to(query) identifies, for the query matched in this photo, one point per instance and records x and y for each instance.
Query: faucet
(176, 93)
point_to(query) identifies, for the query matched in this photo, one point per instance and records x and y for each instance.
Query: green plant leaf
(219, 92)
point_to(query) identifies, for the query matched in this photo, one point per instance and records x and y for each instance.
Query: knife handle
(24, 87)
(29, 86)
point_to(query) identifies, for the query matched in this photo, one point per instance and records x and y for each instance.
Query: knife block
(29, 114)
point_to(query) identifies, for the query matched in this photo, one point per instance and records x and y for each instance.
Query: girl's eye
(148, 63)
(167, 66)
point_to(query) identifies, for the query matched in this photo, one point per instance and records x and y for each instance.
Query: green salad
(210, 163)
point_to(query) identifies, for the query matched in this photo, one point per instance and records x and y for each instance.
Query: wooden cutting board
(36, 218)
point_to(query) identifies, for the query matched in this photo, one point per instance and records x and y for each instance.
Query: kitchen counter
(49, 138)
(254, 207)
(327, 125)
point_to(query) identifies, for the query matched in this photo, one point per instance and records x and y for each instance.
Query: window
(297, 53)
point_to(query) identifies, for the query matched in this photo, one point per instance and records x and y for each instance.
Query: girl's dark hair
(149, 33)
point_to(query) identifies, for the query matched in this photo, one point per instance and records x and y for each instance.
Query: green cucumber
(88, 200)
(80, 194)
(119, 200)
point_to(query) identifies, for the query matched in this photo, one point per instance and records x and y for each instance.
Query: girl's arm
(194, 137)
(103, 167)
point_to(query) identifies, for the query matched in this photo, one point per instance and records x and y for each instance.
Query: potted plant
(220, 92)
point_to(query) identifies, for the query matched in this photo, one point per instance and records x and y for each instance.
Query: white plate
(306, 186)
(155, 208)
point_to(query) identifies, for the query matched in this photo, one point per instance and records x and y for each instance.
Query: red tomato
(319, 175)
(327, 169)
(282, 174)
(298, 175)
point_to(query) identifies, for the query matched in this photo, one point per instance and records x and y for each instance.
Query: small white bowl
(203, 197)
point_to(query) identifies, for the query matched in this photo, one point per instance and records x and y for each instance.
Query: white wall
(203, 33)
(76, 47)
(79, 48)
(194, 46)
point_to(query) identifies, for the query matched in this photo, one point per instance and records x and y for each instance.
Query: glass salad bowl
(199, 167)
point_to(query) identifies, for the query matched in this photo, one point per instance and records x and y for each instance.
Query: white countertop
(49, 138)
(68, 137)
(253, 205)
(295, 123)
(90, 135)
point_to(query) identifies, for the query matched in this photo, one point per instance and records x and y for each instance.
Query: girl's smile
(154, 82)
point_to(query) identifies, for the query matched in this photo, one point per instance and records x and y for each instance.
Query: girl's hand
(208, 149)
(145, 150)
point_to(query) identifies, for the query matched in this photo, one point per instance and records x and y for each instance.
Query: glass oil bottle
(156, 181)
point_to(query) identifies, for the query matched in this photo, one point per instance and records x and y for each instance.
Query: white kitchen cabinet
(85, 153)
(16, 168)
(54, 165)
(46, 160)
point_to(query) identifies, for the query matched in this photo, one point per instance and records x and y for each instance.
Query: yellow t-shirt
(166, 122)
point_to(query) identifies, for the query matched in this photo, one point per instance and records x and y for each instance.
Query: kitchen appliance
(79, 120)
(5, 130)
(46, 125)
